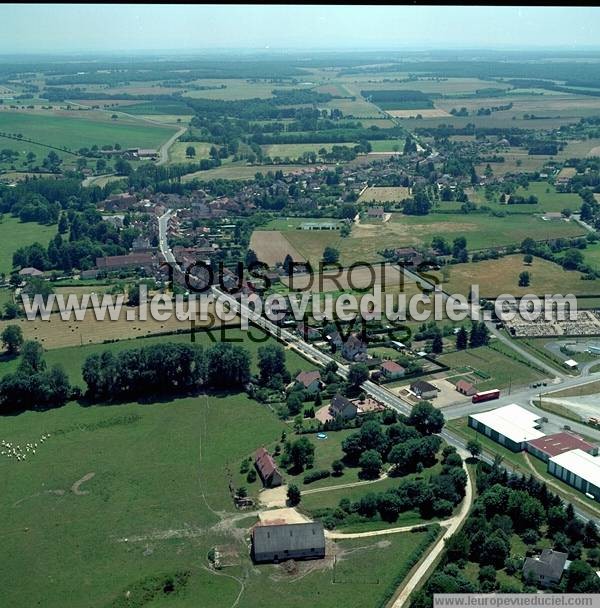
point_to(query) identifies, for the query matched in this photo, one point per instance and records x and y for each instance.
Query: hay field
(384, 194)
(425, 113)
(271, 247)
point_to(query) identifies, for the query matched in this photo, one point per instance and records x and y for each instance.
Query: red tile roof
(392, 367)
(307, 378)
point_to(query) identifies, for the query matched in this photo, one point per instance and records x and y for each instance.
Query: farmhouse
(392, 370)
(579, 469)
(267, 469)
(465, 388)
(133, 260)
(30, 271)
(342, 407)
(511, 426)
(274, 543)
(424, 390)
(545, 569)
(376, 213)
(559, 443)
(310, 381)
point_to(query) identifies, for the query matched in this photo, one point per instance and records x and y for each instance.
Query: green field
(549, 199)
(240, 170)
(480, 231)
(177, 152)
(489, 368)
(495, 277)
(84, 130)
(15, 234)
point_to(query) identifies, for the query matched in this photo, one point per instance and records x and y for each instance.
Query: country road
(163, 151)
(454, 523)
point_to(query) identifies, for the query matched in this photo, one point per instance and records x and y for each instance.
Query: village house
(392, 370)
(354, 349)
(376, 213)
(545, 569)
(30, 271)
(342, 407)
(424, 390)
(310, 381)
(267, 469)
(120, 262)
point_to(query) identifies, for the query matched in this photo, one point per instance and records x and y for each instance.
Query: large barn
(279, 543)
(579, 469)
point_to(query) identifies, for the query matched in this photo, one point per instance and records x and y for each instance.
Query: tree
(474, 447)
(122, 167)
(190, 151)
(358, 374)
(337, 466)
(572, 259)
(300, 453)
(294, 403)
(288, 264)
(271, 364)
(63, 224)
(32, 358)
(527, 258)
(462, 339)
(293, 495)
(426, 419)
(331, 255)
(370, 463)
(437, 344)
(12, 338)
(228, 365)
(495, 550)
(524, 279)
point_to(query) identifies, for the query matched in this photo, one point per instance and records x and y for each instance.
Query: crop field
(15, 234)
(240, 171)
(83, 131)
(384, 194)
(495, 277)
(272, 246)
(424, 112)
(296, 150)
(235, 89)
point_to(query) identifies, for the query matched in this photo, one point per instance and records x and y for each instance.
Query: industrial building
(546, 447)
(278, 543)
(511, 426)
(578, 469)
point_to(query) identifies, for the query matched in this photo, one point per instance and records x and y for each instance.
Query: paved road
(163, 242)
(163, 151)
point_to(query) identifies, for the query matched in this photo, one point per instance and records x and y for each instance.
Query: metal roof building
(579, 469)
(288, 541)
(559, 443)
(511, 426)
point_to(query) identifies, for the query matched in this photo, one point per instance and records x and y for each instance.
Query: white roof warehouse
(511, 426)
(579, 469)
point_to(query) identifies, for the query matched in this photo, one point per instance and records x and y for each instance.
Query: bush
(315, 476)
(251, 477)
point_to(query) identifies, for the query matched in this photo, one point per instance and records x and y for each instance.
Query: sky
(74, 28)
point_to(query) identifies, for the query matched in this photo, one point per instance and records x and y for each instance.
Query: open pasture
(495, 277)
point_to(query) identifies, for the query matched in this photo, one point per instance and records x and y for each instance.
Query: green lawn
(548, 198)
(294, 151)
(15, 234)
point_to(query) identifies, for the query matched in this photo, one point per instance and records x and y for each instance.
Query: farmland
(367, 240)
(495, 277)
(84, 130)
